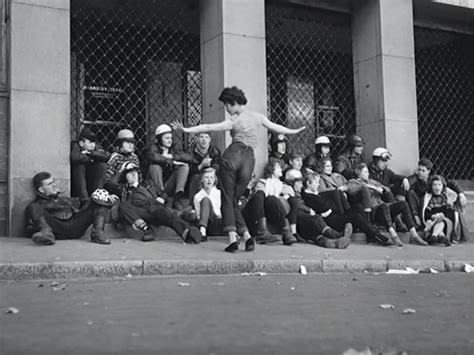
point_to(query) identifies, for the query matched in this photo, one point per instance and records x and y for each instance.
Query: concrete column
(233, 53)
(39, 99)
(384, 79)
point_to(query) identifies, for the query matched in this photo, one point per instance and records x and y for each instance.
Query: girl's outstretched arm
(209, 127)
(279, 128)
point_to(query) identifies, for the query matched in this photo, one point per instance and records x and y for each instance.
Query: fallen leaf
(409, 311)
(387, 306)
(183, 284)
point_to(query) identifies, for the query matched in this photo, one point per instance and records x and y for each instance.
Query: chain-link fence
(135, 64)
(310, 73)
(445, 95)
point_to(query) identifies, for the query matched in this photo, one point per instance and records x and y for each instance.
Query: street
(235, 314)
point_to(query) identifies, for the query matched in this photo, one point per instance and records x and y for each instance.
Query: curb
(130, 268)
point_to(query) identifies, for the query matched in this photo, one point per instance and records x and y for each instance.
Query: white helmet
(162, 128)
(102, 197)
(381, 152)
(322, 140)
(125, 134)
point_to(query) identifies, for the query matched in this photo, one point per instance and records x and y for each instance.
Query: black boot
(45, 236)
(98, 232)
(263, 235)
(287, 237)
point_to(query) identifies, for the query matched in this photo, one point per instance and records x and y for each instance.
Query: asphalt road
(273, 314)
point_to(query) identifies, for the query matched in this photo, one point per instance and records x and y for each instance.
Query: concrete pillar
(384, 79)
(39, 99)
(233, 53)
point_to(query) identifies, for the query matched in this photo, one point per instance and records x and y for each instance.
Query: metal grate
(445, 95)
(135, 64)
(310, 73)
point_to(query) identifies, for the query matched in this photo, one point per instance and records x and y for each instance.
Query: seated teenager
(311, 227)
(88, 165)
(340, 222)
(295, 162)
(279, 150)
(440, 218)
(322, 150)
(142, 205)
(384, 212)
(353, 156)
(50, 217)
(358, 196)
(419, 187)
(168, 169)
(204, 155)
(272, 201)
(207, 202)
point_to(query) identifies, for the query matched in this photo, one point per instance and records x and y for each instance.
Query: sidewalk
(20, 259)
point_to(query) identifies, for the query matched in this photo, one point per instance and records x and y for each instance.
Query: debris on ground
(129, 276)
(40, 285)
(409, 311)
(12, 310)
(303, 270)
(387, 306)
(355, 279)
(367, 351)
(258, 273)
(407, 271)
(442, 293)
(428, 271)
(468, 268)
(54, 284)
(183, 284)
(292, 288)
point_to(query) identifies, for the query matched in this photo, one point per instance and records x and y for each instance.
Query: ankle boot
(98, 232)
(287, 237)
(45, 236)
(331, 233)
(263, 235)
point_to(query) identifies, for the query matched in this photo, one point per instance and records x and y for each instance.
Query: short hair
(232, 96)
(321, 163)
(270, 168)
(39, 178)
(358, 169)
(293, 175)
(208, 133)
(436, 178)
(208, 169)
(295, 155)
(425, 162)
(310, 177)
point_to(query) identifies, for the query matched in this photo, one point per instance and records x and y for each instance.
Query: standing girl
(238, 160)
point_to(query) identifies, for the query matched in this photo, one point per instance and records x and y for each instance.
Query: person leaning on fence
(204, 155)
(168, 168)
(207, 202)
(142, 205)
(440, 217)
(88, 165)
(50, 217)
(322, 150)
(384, 212)
(419, 186)
(353, 156)
(238, 160)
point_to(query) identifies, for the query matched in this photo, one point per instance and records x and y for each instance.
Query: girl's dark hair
(270, 167)
(436, 178)
(232, 96)
(39, 178)
(321, 163)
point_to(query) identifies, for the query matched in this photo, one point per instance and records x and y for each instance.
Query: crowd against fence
(201, 193)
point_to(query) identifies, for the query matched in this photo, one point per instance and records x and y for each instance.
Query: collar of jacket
(46, 197)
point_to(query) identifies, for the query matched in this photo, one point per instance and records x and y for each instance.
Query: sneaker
(232, 247)
(44, 238)
(417, 240)
(148, 235)
(396, 241)
(343, 243)
(267, 238)
(288, 239)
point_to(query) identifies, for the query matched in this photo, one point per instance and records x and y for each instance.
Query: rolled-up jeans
(236, 169)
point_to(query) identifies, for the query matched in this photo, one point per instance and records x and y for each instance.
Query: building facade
(400, 73)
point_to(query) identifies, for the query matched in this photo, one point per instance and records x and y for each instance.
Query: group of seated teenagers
(304, 199)
(351, 195)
